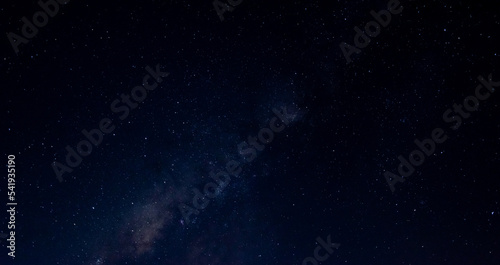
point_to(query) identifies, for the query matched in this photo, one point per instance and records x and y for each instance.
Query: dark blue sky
(321, 176)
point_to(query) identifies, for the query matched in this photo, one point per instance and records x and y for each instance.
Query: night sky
(250, 132)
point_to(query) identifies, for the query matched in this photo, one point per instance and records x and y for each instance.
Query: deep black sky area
(266, 64)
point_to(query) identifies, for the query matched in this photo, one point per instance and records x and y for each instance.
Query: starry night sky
(321, 176)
